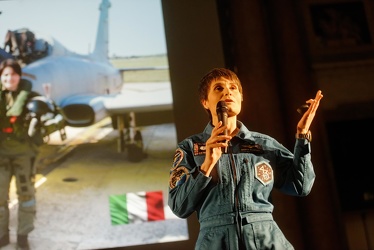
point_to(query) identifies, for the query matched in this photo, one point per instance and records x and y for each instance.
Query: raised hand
(306, 120)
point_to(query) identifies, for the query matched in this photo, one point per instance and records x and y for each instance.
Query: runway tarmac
(75, 179)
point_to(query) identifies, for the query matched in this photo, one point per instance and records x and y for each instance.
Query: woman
(230, 189)
(17, 153)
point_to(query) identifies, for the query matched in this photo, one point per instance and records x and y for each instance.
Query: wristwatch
(307, 136)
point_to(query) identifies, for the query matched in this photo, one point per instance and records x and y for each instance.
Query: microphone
(221, 110)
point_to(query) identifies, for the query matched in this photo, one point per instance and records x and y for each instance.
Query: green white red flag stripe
(136, 207)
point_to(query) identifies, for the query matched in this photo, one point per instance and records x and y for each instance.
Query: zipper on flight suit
(238, 219)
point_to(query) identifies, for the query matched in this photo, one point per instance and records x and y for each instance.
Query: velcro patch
(249, 148)
(264, 172)
(178, 176)
(199, 148)
(178, 156)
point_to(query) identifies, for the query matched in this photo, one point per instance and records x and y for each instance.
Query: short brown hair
(215, 74)
(212, 75)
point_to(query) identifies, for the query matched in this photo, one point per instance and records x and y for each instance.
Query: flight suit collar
(243, 133)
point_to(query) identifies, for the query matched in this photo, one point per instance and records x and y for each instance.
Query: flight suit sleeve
(186, 183)
(295, 172)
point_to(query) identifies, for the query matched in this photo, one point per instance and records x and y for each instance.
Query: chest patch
(264, 172)
(199, 148)
(254, 149)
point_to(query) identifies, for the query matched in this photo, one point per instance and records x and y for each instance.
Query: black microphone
(221, 110)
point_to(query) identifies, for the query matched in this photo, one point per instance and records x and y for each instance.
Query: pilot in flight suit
(17, 155)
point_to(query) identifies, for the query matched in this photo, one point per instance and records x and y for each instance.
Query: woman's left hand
(306, 120)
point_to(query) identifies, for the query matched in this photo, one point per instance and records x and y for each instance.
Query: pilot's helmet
(40, 105)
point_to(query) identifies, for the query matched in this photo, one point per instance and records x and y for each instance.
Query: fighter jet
(86, 88)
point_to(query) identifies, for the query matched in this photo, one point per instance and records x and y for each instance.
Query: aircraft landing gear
(135, 151)
(130, 139)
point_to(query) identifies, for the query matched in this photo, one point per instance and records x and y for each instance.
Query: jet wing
(122, 70)
(141, 97)
(140, 104)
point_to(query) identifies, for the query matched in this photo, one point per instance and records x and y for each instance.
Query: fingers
(219, 129)
(317, 98)
(312, 104)
(217, 138)
(315, 102)
(219, 141)
(308, 116)
(318, 95)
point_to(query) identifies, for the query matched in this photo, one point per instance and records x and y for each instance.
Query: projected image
(102, 173)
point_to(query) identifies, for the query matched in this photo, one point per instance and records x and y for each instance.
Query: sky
(136, 27)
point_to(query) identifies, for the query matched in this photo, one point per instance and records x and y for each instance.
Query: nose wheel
(135, 150)
(130, 139)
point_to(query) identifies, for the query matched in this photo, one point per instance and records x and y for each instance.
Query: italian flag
(136, 207)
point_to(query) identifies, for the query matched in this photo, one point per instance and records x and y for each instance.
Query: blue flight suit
(233, 205)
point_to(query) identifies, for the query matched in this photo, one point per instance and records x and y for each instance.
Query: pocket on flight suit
(265, 235)
(217, 238)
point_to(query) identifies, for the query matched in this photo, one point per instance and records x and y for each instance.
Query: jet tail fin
(101, 49)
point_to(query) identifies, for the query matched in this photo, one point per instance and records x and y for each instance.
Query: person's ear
(204, 103)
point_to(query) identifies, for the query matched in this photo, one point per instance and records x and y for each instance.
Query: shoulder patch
(178, 156)
(264, 172)
(178, 176)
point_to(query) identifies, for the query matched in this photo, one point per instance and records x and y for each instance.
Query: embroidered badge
(178, 176)
(199, 148)
(264, 172)
(178, 156)
(254, 149)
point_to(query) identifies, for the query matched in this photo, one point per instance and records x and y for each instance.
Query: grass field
(161, 75)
